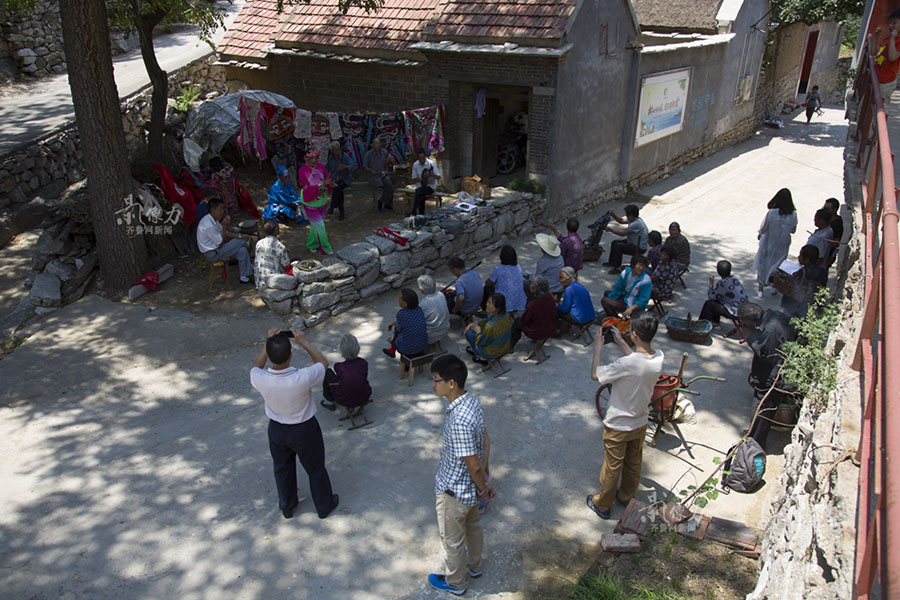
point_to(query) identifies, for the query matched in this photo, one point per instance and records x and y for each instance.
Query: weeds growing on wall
(528, 185)
(185, 100)
(808, 364)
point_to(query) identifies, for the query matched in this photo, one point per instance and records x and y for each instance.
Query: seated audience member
(283, 200)
(434, 307)
(570, 245)
(724, 296)
(271, 255)
(823, 237)
(348, 383)
(681, 248)
(550, 262)
(576, 307)
(799, 288)
(837, 227)
(410, 331)
(654, 245)
(425, 175)
(634, 232)
(464, 298)
(632, 291)
(507, 279)
(665, 275)
(490, 338)
(538, 321)
(212, 233)
(765, 331)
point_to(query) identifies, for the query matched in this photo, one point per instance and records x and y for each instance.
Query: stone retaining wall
(377, 264)
(31, 43)
(43, 169)
(810, 539)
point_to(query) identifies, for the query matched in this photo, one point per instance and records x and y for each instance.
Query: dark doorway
(808, 56)
(499, 136)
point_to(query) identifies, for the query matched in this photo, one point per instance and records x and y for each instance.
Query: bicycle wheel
(601, 400)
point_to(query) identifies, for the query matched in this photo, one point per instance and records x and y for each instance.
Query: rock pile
(377, 264)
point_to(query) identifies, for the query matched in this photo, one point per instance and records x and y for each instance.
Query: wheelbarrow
(663, 400)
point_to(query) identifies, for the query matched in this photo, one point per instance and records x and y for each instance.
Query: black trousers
(303, 441)
(713, 311)
(759, 429)
(419, 199)
(330, 377)
(617, 248)
(387, 193)
(337, 199)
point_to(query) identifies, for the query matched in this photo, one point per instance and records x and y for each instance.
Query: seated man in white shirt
(823, 237)
(434, 305)
(293, 429)
(212, 233)
(426, 175)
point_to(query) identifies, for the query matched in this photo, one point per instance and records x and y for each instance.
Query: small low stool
(658, 305)
(537, 351)
(495, 362)
(436, 348)
(410, 363)
(355, 413)
(584, 332)
(212, 270)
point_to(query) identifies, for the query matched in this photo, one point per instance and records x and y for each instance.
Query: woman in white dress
(774, 237)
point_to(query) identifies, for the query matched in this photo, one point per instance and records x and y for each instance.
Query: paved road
(134, 460)
(31, 110)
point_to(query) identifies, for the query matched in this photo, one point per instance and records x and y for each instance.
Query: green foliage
(185, 100)
(17, 6)
(807, 363)
(851, 31)
(605, 587)
(810, 12)
(527, 185)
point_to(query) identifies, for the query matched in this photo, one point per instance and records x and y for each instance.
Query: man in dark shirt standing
(765, 331)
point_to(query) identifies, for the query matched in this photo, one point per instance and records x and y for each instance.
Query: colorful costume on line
(315, 203)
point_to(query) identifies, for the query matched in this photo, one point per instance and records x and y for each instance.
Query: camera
(608, 335)
(286, 333)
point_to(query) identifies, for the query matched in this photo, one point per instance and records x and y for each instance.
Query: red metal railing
(878, 350)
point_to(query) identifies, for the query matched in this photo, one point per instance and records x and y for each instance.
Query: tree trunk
(99, 119)
(159, 78)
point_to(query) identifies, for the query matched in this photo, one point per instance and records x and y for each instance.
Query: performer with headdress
(315, 185)
(283, 199)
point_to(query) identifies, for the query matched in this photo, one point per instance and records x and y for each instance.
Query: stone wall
(810, 539)
(377, 264)
(41, 170)
(31, 42)
(832, 82)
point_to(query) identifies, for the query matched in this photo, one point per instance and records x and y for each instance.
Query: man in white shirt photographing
(217, 243)
(633, 378)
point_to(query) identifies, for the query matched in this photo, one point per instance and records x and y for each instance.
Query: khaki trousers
(624, 452)
(460, 528)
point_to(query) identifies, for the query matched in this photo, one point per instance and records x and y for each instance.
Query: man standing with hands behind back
(293, 429)
(461, 477)
(633, 378)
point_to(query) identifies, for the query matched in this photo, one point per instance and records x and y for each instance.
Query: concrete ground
(33, 109)
(135, 459)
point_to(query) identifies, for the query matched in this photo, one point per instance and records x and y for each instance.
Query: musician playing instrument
(426, 175)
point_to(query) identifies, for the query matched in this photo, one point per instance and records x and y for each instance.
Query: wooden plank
(732, 534)
(165, 272)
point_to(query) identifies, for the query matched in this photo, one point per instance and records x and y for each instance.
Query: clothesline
(402, 133)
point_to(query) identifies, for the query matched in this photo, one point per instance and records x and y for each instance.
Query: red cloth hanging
(176, 194)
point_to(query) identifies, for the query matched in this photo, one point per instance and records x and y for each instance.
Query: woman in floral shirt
(725, 296)
(665, 275)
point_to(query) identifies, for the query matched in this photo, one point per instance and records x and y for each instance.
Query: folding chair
(537, 351)
(681, 276)
(658, 305)
(584, 332)
(495, 362)
(353, 414)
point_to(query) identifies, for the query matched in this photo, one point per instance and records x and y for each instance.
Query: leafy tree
(810, 12)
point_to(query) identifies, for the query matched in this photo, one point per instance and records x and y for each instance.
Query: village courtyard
(136, 464)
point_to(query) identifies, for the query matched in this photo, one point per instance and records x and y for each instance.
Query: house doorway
(500, 134)
(808, 56)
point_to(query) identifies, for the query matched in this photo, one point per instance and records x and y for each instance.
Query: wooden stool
(212, 274)
(584, 332)
(492, 363)
(681, 276)
(436, 349)
(537, 351)
(411, 362)
(353, 414)
(658, 306)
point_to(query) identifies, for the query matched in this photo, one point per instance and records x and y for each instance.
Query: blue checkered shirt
(463, 436)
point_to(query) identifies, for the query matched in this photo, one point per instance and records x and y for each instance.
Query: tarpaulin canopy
(216, 121)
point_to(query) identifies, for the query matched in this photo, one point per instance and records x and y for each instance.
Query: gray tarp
(214, 122)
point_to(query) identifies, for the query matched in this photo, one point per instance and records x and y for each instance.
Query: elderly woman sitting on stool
(576, 307)
(410, 331)
(348, 383)
(489, 339)
(632, 291)
(539, 320)
(434, 307)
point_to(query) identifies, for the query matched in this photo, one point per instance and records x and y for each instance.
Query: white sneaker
(759, 293)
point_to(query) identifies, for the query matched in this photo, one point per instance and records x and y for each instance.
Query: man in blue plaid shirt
(461, 477)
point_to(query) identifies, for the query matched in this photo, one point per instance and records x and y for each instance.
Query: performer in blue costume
(284, 199)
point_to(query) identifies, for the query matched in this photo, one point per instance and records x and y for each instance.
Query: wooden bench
(410, 363)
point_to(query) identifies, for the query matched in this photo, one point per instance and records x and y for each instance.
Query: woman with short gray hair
(539, 321)
(348, 383)
(434, 305)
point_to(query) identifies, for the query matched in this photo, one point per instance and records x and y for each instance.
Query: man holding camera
(633, 378)
(294, 431)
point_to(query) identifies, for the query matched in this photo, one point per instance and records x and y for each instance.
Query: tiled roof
(252, 30)
(319, 23)
(502, 19)
(677, 15)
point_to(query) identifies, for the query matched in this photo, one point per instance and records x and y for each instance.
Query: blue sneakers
(439, 582)
(474, 574)
(603, 514)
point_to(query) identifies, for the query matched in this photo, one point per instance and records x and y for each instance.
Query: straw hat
(548, 244)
